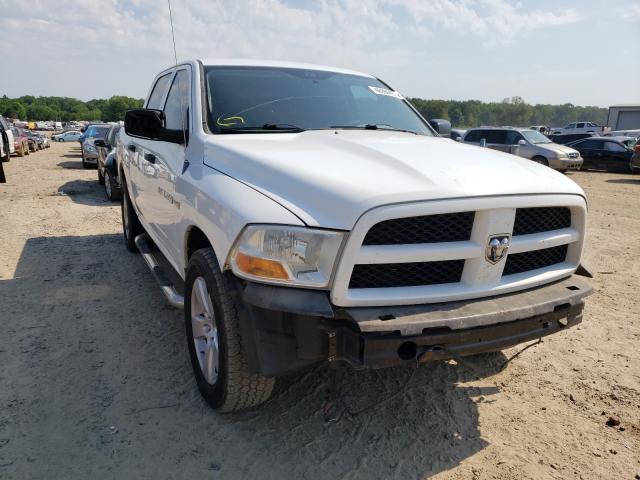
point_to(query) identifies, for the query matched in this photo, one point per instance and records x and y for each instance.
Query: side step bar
(169, 290)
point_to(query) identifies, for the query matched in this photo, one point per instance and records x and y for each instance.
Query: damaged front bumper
(290, 328)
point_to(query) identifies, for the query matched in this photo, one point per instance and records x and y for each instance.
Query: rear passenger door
(591, 152)
(615, 157)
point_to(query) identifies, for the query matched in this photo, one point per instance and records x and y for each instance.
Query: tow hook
(428, 353)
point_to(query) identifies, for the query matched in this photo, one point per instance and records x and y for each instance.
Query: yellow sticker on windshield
(229, 121)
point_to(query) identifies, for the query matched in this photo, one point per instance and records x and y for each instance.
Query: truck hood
(329, 178)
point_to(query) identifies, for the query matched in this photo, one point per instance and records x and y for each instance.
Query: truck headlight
(285, 255)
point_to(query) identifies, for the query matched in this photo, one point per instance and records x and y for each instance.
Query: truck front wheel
(217, 353)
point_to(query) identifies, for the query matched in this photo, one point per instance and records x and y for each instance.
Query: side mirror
(442, 127)
(521, 142)
(98, 142)
(149, 124)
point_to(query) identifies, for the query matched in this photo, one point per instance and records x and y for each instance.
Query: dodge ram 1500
(301, 213)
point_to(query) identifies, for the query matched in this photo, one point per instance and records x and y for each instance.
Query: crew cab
(578, 127)
(302, 214)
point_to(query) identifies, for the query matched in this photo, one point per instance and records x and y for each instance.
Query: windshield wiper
(374, 126)
(267, 127)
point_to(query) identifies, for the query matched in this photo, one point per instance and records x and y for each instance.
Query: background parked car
(20, 141)
(579, 127)
(89, 151)
(32, 138)
(565, 138)
(69, 136)
(604, 153)
(62, 136)
(106, 161)
(634, 164)
(530, 144)
(7, 145)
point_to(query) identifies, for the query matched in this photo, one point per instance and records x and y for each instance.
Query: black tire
(541, 160)
(61, 139)
(131, 226)
(100, 177)
(112, 188)
(235, 387)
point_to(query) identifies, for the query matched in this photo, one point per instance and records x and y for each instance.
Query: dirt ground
(95, 380)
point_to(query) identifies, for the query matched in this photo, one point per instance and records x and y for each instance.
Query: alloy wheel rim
(204, 331)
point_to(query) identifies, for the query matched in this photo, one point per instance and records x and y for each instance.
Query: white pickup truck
(578, 127)
(302, 214)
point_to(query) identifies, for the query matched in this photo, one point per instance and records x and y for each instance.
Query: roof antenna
(173, 36)
(175, 56)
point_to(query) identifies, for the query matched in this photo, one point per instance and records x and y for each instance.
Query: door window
(613, 147)
(496, 137)
(590, 144)
(177, 102)
(581, 125)
(513, 137)
(157, 94)
(473, 136)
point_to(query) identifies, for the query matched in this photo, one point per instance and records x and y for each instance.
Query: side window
(581, 125)
(496, 137)
(177, 102)
(513, 137)
(571, 125)
(613, 147)
(472, 136)
(157, 94)
(592, 144)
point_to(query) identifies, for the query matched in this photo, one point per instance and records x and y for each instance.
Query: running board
(169, 290)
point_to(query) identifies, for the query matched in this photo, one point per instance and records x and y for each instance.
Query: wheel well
(196, 239)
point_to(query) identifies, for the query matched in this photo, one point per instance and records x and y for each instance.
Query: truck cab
(301, 213)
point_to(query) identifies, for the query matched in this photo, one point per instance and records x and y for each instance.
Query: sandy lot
(95, 380)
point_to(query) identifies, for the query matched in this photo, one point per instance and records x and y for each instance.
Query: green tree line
(469, 113)
(511, 111)
(64, 109)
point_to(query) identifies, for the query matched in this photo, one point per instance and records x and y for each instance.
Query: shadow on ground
(72, 165)
(87, 192)
(629, 181)
(96, 379)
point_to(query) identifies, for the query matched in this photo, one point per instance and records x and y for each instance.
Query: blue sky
(583, 52)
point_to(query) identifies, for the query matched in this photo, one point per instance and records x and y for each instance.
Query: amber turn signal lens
(260, 267)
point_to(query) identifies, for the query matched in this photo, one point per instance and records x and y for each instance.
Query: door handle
(150, 157)
(131, 147)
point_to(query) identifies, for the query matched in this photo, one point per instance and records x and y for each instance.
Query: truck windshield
(535, 137)
(271, 99)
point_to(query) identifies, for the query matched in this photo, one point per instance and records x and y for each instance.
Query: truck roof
(275, 63)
